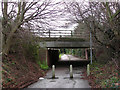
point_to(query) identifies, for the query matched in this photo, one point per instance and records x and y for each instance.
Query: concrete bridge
(64, 43)
(56, 40)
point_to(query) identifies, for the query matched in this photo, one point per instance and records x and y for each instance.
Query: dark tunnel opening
(53, 59)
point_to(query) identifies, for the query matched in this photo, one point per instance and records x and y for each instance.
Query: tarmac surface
(62, 79)
(66, 57)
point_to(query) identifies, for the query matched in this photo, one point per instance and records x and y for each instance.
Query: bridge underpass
(53, 59)
(62, 67)
(53, 40)
(54, 46)
(62, 72)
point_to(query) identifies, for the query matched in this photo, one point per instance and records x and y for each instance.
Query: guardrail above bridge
(61, 34)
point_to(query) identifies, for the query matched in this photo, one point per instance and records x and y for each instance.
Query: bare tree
(103, 18)
(33, 15)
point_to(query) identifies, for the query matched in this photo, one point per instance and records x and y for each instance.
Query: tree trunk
(7, 45)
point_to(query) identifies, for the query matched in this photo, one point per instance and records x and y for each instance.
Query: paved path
(62, 74)
(66, 57)
(63, 80)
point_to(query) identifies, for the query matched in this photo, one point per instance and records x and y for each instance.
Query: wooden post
(71, 72)
(53, 71)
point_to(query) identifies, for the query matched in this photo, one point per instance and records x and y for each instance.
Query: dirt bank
(18, 72)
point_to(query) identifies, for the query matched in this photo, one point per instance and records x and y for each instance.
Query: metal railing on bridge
(62, 33)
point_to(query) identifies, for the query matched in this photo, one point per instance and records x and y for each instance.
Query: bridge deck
(61, 39)
(64, 44)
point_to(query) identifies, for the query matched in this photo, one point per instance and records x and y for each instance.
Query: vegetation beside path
(103, 75)
(24, 64)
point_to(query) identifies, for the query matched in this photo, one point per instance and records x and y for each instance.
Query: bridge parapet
(63, 39)
(61, 34)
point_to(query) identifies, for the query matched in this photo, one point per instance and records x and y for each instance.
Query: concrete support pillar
(86, 54)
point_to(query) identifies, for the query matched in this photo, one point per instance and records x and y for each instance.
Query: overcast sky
(61, 22)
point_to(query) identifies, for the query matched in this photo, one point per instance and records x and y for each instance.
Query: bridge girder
(65, 44)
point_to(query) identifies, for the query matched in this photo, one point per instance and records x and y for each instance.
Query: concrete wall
(52, 56)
